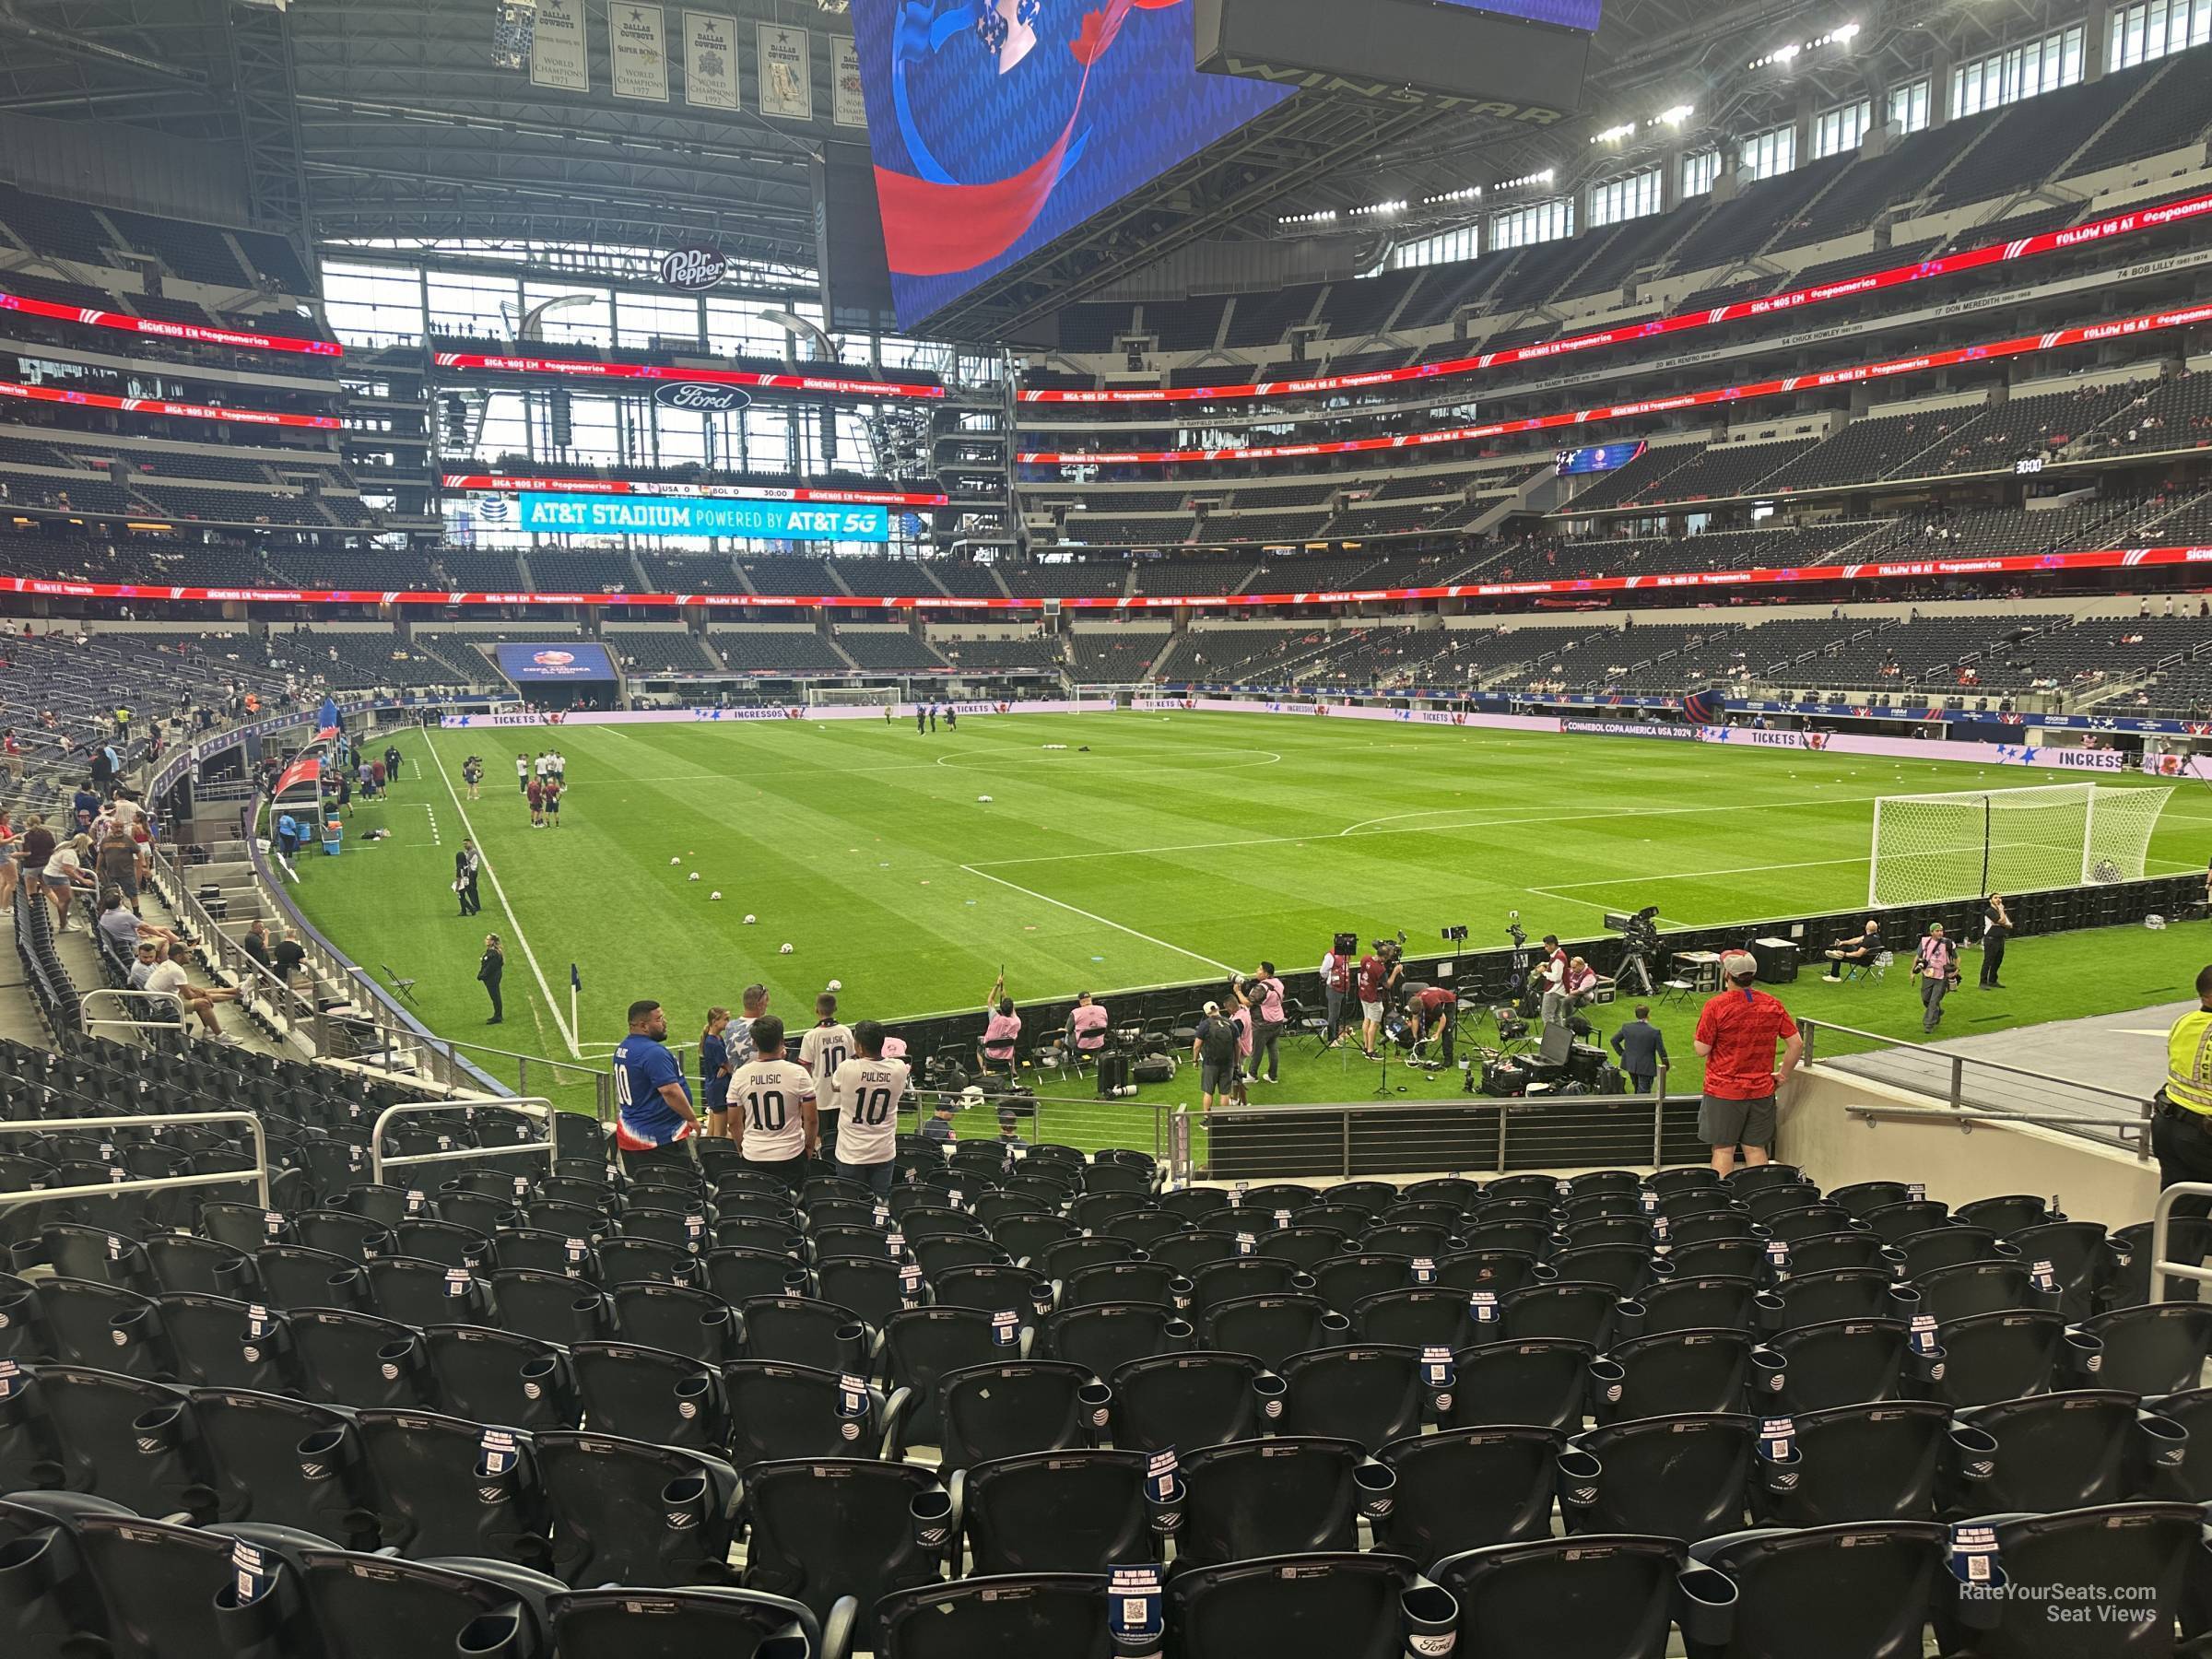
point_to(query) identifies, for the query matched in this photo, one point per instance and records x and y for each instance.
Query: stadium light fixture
(1677, 116)
(1783, 56)
(1467, 193)
(1614, 134)
(1544, 177)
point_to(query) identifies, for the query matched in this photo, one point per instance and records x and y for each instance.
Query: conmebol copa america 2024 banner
(1000, 125)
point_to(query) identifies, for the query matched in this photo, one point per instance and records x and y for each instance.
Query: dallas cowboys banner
(709, 61)
(636, 45)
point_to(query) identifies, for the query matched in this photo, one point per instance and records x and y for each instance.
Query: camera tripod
(1635, 970)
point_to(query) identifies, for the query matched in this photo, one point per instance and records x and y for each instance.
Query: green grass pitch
(1148, 848)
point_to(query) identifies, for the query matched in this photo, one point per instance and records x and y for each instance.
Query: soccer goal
(1931, 847)
(853, 697)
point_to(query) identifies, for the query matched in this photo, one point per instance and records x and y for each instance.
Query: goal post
(853, 697)
(1933, 847)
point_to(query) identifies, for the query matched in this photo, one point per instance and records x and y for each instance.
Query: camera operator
(1433, 1007)
(1263, 994)
(1379, 971)
(1336, 985)
(1214, 1050)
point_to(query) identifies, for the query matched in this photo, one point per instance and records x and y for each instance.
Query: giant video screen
(1584, 15)
(1000, 125)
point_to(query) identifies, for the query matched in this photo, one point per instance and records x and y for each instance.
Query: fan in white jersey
(863, 1095)
(771, 1107)
(821, 1051)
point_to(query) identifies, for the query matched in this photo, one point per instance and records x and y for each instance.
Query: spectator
(864, 1092)
(1736, 1034)
(1214, 1048)
(169, 979)
(119, 924)
(825, 1048)
(148, 956)
(289, 956)
(939, 1127)
(778, 1130)
(256, 943)
(65, 875)
(1009, 1131)
(654, 1108)
(491, 967)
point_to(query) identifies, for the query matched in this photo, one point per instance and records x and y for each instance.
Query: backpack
(1155, 1068)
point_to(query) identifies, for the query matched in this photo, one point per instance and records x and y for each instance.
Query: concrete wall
(1957, 1162)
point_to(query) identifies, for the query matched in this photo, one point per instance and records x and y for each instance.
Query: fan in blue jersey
(650, 1090)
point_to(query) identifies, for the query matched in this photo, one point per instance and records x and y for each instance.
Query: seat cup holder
(501, 1635)
(684, 1503)
(931, 1512)
(396, 1361)
(1608, 1379)
(1270, 1389)
(1769, 1374)
(1094, 1401)
(1431, 1616)
(1579, 1474)
(541, 1381)
(1377, 1485)
(1180, 1291)
(1178, 1333)
(796, 1281)
(1973, 1460)
(1705, 1606)
(1336, 1329)
(2085, 1354)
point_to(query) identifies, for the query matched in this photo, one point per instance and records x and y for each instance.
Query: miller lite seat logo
(693, 269)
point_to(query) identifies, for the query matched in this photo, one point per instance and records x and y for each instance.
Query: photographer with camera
(1214, 1049)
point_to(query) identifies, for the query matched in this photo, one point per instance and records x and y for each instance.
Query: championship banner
(848, 108)
(709, 61)
(2130, 223)
(786, 73)
(637, 47)
(559, 57)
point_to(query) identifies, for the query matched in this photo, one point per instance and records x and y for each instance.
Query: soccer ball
(786, 950)
(984, 799)
(750, 918)
(715, 898)
(695, 875)
(835, 985)
(675, 861)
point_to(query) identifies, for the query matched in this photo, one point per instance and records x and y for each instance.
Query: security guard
(2180, 1136)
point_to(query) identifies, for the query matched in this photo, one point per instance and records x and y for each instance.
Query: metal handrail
(259, 1174)
(2017, 1071)
(2162, 1220)
(379, 1163)
(123, 998)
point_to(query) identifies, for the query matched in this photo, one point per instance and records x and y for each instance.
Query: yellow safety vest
(2189, 1061)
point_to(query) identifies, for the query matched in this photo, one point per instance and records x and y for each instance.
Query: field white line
(1568, 821)
(1398, 818)
(1810, 864)
(1093, 916)
(1144, 758)
(514, 922)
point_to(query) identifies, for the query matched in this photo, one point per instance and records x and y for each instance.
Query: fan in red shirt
(1736, 1034)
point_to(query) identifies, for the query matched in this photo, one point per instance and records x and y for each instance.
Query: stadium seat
(364, 1607)
(2003, 1356)
(1292, 1494)
(696, 1324)
(826, 1528)
(1463, 1489)
(1006, 1409)
(1968, 1288)
(1191, 1399)
(1304, 1607)
(548, 1307)
(1271, 1328)
(1673, 1477)
(1878, 1461)
(217, 1341)
(285, 1462)
(1370, 1393)
(2155, 1349)
(121, 1438)
(359, 1360)
(678, 1624)
(441, 1486)
(627, 1512)
(1077, 1510)
(1704, 1302)
(1541, 1382)
(1152, 1281)
(1107, 1335)
(777, 1410)
(87, 1322)
(1678, 1373)
(1863, 1591)
(1581, 1597)
(1580, 1311)
(495, 1376)
(1420, 1316)
(1346, 1280)
(800, 1330)
(2062, 1450)
(2136, 1556)
(645, 1393)
(1843, 1362)
(994, 1618)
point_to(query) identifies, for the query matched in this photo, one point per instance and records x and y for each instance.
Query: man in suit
(490, 969)
(1643, 1050)
(468, 863)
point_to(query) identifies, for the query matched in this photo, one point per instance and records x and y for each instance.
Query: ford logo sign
(702, 395)
(693, 268)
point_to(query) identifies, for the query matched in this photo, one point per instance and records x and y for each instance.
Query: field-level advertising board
(1961, 845)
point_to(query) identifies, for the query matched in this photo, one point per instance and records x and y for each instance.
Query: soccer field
(1148, 848)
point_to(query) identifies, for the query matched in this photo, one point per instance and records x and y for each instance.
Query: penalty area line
(1093, 916)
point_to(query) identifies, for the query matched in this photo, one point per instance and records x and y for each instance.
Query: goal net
(1932, 847)
(852, 697)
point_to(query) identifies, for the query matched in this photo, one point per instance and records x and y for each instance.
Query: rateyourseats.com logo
(2126, 1605)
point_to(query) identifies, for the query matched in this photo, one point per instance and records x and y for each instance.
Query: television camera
(1639, 946)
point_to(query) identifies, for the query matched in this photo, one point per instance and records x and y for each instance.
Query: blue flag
(575, 979)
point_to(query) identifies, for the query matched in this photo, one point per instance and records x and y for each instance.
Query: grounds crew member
(2180, 1136)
